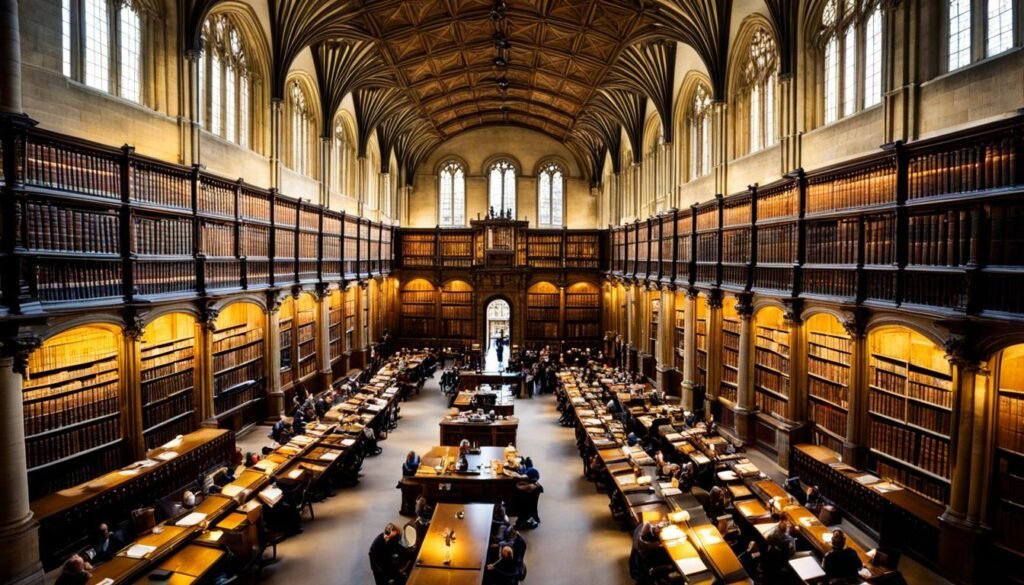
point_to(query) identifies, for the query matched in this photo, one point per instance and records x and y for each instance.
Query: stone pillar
(191, 108)
(791, 431)
(326, 168)
(206, 331)
(10, 59)
(962, 534)
(19, 533)
(746, 410)
(276, 141)
(857, 401)
(720, 144)
(131, 382)
(272, 347)
(689, 348)
(362, 185)
(667, 377)
(789, 126)
(713, 378)
(323, 335)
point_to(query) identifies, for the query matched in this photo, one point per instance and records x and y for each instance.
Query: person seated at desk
(411, 464)
(506, 570)
(106, 544)
(77, 571)
(645, 543)
(385, 555)
(841, 564)
(324, 404)
(813, 499)
(720, 502)
(529, 491)
(780, 546)
(280, 432)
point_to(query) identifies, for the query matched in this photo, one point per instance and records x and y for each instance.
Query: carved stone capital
(274, 302)
(794, 310)
(745, 305)
(135, 326)
(692, 293)
(209, 319)
(715, 298)
(961, 353)
(855, 322)
(19, 348)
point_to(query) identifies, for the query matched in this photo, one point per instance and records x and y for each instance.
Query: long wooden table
(504, 400)
(480, 484)
(468, 551)
(496, 433)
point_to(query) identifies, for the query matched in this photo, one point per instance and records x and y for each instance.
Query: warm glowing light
(672, 532)
(678, 517)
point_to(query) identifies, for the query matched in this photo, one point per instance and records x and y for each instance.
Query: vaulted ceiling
(422, 71)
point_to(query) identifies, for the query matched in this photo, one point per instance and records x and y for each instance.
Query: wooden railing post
(243, 268)
(125, 217)
(752, 262)
(801, 230)
(197, 254)
(13, 139)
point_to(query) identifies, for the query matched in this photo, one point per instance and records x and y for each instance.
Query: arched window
(301, 121)
(851, 32)
(108, 52)
(225, 80)
(344, 154)
(700, 132)
(998, 27)
(502, 187)
(757, 90)
(550, 196)
(452, 195)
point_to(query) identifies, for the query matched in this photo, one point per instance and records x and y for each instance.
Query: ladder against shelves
(910, 404)
(72, 408)
(169, 399)
(829, 354)
(239, 372)
(771, 371)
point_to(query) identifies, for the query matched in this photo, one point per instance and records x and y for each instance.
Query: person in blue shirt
(412, 463)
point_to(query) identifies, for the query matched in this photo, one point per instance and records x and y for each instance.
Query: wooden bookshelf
(771, 362)
(654, 298)
(457, 311)
(582, 312)
(543, 302)
(305, 335)
(168, 379)
(238, 367)
(679, 347)
(583, 250)
(700, 370)
(336, 324)
(286, 334)
(364, 314)
(544, 249)
(419, 249)
(729, 383)
(72, 409)
(1009, 463)
(910, 403)
(419, 309)
(456, 248)
(829, 351)
(350, 318)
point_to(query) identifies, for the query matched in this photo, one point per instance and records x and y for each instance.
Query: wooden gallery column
(746, 409)
(689, 372)
(323, 335)
(667, 377)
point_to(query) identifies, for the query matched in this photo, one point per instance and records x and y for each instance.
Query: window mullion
(114, 52)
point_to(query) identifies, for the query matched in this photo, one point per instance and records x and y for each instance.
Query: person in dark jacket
(76, 572)
(841, 564)
(645, 542)
(384, 556)
(106, 545)
(412, 463)
(507, 570)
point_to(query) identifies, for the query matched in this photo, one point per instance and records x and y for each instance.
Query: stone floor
(577, 541)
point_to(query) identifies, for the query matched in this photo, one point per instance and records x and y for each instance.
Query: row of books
(828, 417)
(831, 363)
(459, 329)
(771, 360)
(707, 218)
(777, 244)
(165, 352)
(736, 213)
(782, 203)
(886, 404)
(727, 390)
(237, 356)
(456, 312)
(63, 410)
(770, 404)
(923, 451)
(217, 199)
(838, 395)
(422, 310)
(542, 314)
(729, 358)
(928, 487)
(870, 186)
(1010, 423)
(255, 241)
(230, 378)
(176, 362)
(226, 402)
(217, 239)
(582, 314)
(542, 330)
(833, 242)
(935, 396)
(154, 414)
(236, 336)
(1005, 226)
(164, 236)
(707, 247)
(155, 390)
(578, 299)
(879, 240)
(772, 381)
(940, 239)
(418, 327)
(543, 300)
(456, 298)
(976, 167)
(66, 229)
(53, 447)
(52, 165)
(775, 335)
(820, 437)
(935, 420)
(840, 343)
(254, 206)
(736, 245)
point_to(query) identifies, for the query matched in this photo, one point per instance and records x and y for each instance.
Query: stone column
(689, 347)
(272, 348)
(190, 105)
(19, 533)
(745, 411)
(323, 335)
(720, 145)
(714, 374)
(961, 540)
(205, 370)
(131, 382)
(789, 125)
(10, 59)
(857, 403)
(796, 407)
(667, 377)
(276, 141)
(362, 185)
(326, 168)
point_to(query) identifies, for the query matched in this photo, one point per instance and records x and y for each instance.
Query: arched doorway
(498, 332)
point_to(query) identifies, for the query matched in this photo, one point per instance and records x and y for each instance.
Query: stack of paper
(192, 519)
(138, 551)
